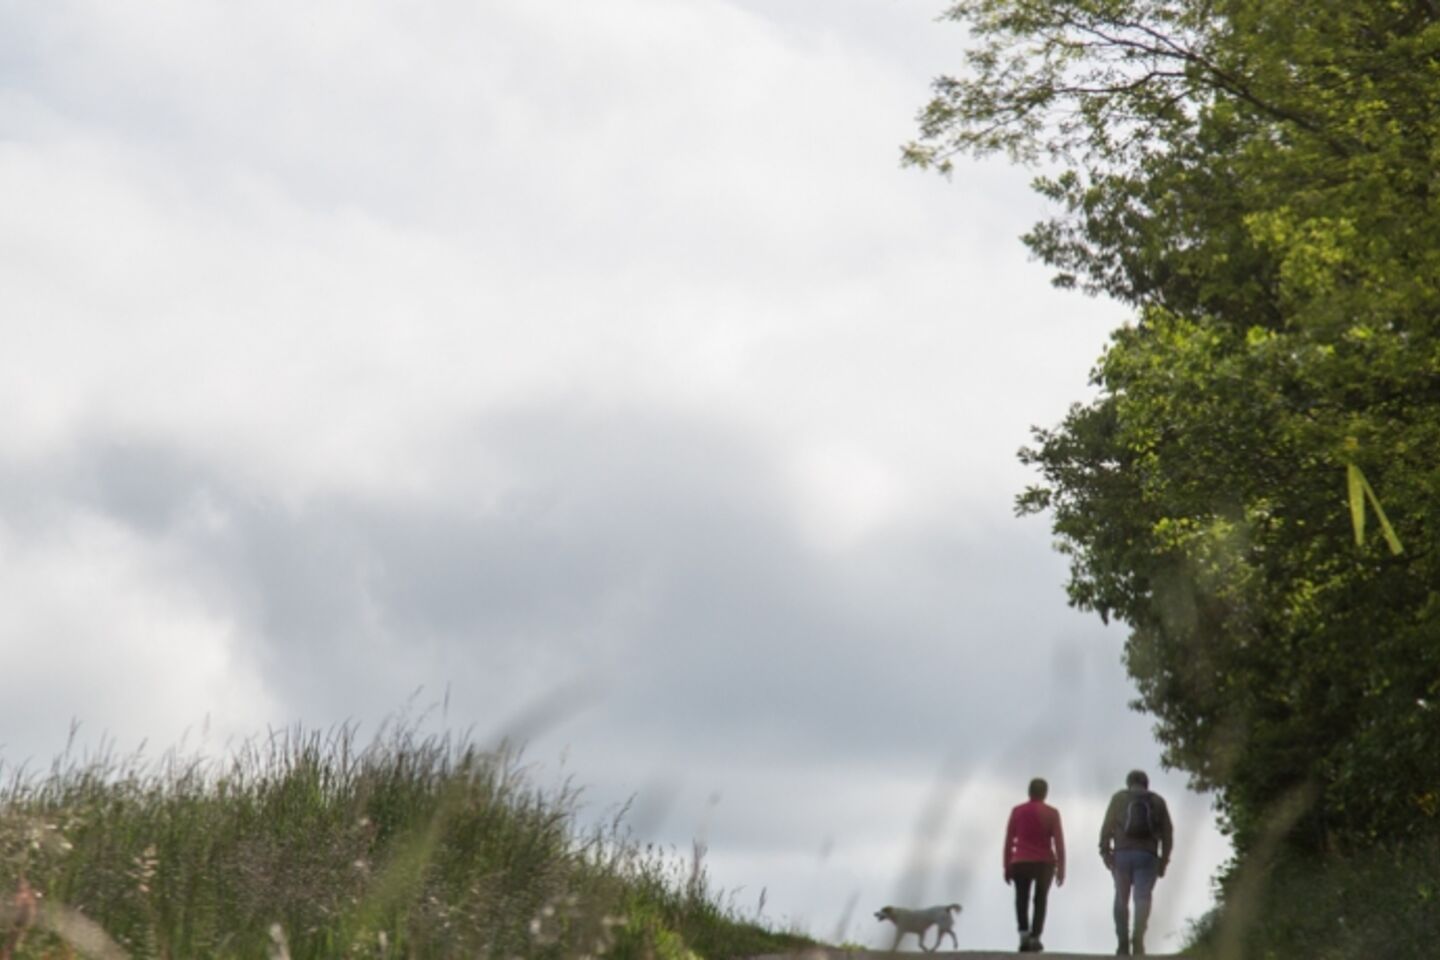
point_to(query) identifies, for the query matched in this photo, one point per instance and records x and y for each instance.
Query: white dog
(918, 921)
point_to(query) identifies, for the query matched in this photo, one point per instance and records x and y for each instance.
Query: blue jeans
(1134, 872)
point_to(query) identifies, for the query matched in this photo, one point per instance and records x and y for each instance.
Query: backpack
(1139, 822)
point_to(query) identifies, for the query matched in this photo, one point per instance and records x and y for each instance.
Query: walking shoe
(1035, 945)
(1123, 950)
(1137, 947)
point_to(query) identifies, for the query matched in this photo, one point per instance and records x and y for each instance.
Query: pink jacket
(1034, 835)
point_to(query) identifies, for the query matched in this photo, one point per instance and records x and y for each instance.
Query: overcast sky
(594, 362)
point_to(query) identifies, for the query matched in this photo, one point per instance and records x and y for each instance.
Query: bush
(1384, 903)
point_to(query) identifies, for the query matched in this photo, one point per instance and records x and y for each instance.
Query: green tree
(1260, 180)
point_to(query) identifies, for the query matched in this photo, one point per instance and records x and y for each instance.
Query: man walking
(1034, 856)
(1136, 841)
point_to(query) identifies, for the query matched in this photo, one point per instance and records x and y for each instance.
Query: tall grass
(304, 844)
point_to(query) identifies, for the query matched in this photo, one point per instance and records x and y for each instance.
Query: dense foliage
(1260, 180)
(310, 846)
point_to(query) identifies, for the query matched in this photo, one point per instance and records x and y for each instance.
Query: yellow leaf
(1388, 531)
(1356, 482)
(1359, 491)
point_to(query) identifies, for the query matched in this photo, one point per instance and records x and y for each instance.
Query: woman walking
(1034, 856)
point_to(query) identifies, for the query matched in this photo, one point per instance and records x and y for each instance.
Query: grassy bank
(1380, 903)
(309, 845)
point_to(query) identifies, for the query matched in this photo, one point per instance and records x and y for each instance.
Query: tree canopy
(1260, 181)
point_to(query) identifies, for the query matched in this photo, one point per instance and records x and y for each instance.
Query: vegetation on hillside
(306, 845)
(1260, 181)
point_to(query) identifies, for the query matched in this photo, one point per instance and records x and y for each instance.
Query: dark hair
(1137, 778)
(1038, 789)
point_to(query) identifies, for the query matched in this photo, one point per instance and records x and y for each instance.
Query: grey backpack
(1139, 821)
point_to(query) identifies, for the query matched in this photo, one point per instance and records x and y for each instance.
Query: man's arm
(1107, 832)
(1167, 836)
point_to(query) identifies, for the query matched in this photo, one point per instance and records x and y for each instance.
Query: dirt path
(837, 954)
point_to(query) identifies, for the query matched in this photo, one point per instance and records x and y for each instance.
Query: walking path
(834, 953)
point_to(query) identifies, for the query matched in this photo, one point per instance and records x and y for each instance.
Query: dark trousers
(1028, 875)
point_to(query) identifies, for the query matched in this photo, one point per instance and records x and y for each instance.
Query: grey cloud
(652, 553)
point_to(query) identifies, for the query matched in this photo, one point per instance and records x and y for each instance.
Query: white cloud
(719, 223)
(100, 627)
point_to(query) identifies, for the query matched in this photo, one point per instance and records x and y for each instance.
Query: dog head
(885, 913)
(955, 908)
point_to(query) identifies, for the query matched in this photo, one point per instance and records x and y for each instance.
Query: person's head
(1039, 789)
(1136, 780)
